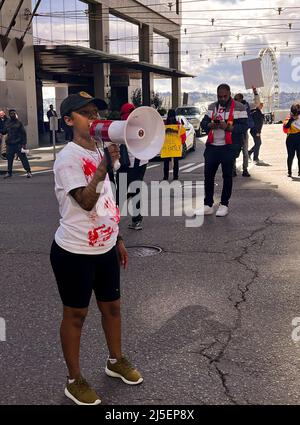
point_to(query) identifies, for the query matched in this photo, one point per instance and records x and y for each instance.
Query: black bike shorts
(77, 275)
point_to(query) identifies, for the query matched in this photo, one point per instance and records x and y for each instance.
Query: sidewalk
(40, 159)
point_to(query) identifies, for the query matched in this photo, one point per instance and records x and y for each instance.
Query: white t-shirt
(80, 231)
(219, 134)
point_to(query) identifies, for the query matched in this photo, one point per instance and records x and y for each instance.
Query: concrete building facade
(108, 48)
(17, 75)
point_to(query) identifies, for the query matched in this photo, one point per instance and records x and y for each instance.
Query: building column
(176, 92)
(146, 55)
(39, 106)
(31, 101)
(146, 43)
(147, 87)
(175, 47)
(99, 34)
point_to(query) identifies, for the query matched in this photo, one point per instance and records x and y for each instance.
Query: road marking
(184, 166)
(39, 172)
(153, 166)
(47, 148)
(189, 170)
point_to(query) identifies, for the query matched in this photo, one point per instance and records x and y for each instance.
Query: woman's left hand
(123, 255)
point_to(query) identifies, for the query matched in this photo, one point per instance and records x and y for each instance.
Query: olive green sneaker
(123, 369)
(81, 393)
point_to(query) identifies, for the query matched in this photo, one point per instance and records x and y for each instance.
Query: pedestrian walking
(291, 127)
(225, 123)
(87, 249)
(51, 113)
(16, 141)
(258, 118)
(239, 97)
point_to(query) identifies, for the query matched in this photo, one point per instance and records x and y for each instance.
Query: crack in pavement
(193, 252)
(214, 360)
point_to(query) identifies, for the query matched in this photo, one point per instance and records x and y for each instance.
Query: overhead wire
(214, 33)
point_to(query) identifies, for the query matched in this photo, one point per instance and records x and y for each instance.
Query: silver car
(193, 115)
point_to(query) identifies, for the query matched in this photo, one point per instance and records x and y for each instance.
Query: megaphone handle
(108, 160)
(117, 165)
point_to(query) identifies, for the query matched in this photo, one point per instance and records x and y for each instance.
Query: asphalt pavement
(208, 320)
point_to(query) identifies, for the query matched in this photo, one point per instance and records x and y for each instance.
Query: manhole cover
(143, 250)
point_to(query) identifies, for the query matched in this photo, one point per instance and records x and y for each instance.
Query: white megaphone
(143, 132)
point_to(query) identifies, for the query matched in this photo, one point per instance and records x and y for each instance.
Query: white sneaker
(222, 211)
(259, 162)
(199, 212)
(208, 210)
(205, 210)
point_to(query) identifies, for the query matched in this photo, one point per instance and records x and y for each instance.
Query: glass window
(42, 24)
(57, 21)
(123, 38)
(161, 49)
(48, 99)
(164, 87)
(82, 24)
(61, 22)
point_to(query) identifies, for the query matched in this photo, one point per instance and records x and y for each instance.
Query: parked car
(193, 115)
(190, 143)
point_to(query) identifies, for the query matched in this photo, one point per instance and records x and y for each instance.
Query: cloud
(244, 31)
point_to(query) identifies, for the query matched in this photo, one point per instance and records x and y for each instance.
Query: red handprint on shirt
(89, 168)
(114, 211)
(100, 234)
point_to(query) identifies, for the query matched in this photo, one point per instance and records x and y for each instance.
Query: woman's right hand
(114, 152)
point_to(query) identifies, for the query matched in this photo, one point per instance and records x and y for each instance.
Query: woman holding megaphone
(87, 250)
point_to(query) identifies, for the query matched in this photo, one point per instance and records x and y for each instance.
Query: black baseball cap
(78, 100)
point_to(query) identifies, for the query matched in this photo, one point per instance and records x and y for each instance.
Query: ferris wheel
(270, 91)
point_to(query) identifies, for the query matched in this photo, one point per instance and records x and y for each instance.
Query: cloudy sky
(238, 31)
(240, 28)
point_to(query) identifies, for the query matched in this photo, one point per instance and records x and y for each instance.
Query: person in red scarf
(225, 122)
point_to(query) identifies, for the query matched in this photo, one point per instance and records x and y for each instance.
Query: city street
(207, 321)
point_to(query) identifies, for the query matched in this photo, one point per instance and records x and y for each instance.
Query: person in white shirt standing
(87, 251)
